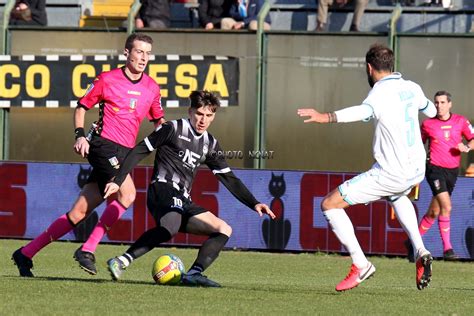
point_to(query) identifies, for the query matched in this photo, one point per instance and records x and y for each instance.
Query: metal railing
(136, 5)
(392, 32)
(6, 19)
(259, 138)
(4, 113)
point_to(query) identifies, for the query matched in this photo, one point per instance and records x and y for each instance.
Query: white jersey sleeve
(354, 113)
(429, 109)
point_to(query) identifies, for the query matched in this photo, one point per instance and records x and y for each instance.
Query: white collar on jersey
(393, 75)
(191, 128)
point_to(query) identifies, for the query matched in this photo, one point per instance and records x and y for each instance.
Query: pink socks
(62, 226)
(56, 230)
(111, 214)
(425, 225)
(444, 223)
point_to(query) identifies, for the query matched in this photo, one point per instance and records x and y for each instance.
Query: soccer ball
(167, 269)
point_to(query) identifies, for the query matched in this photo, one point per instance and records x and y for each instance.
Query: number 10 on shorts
(177, 203)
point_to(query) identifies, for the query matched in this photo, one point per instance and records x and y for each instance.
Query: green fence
(302, 69)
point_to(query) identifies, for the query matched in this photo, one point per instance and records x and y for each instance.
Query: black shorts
(164, 198)
(441, 179)
(105, 157)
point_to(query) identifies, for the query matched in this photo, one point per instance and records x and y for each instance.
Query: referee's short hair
(380, 57)
(443, 92)
(202, 98)
(137, 37)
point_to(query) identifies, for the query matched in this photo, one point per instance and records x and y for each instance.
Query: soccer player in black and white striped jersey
(182, 145)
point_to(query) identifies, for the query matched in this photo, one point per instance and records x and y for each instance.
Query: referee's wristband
(79, 132)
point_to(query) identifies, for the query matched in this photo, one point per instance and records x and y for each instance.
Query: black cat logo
(277, 232)
(83, 175)
(84, 228)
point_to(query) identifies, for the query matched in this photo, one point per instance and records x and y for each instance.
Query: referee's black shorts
(441, 179)
(164, 198)
(105, 157)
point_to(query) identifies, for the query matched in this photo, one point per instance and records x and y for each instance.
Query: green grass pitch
(253, 284)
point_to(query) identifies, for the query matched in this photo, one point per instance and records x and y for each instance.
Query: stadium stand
(301, 15)
(61, 12)
(287, 15)
(105, 13)
(108, 13)
(64, 12)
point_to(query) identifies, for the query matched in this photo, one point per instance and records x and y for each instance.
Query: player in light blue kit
(393, 104)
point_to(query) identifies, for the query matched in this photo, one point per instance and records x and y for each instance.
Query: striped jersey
(444, 137)
(180, 151)
(123, 104)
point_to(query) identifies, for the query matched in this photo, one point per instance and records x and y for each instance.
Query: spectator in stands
(211, 12)
(244, 15)
(323, 7)
(154, 14)
(437, 3)
(29, 12)
(406, 3)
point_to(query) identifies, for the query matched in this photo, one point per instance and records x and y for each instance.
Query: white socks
(342, 226)
(126, 259)
(407, 217)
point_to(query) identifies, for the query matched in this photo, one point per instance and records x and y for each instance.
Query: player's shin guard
(148, 240)
(209, 251)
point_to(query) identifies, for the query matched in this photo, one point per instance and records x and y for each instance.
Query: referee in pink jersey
(445, 134)
(125, 97)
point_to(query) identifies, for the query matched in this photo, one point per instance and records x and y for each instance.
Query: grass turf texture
(253, 283)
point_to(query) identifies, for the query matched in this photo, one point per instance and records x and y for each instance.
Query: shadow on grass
(284, 290)
(240, 288)
(36, 278)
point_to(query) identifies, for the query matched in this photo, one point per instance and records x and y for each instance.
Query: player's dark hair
(204, 98)
(443, 92)
(380, 57)
(137, 37)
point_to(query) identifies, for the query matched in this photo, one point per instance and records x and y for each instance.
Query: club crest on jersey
(114, 162)
(447, 135)
(133, 103)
